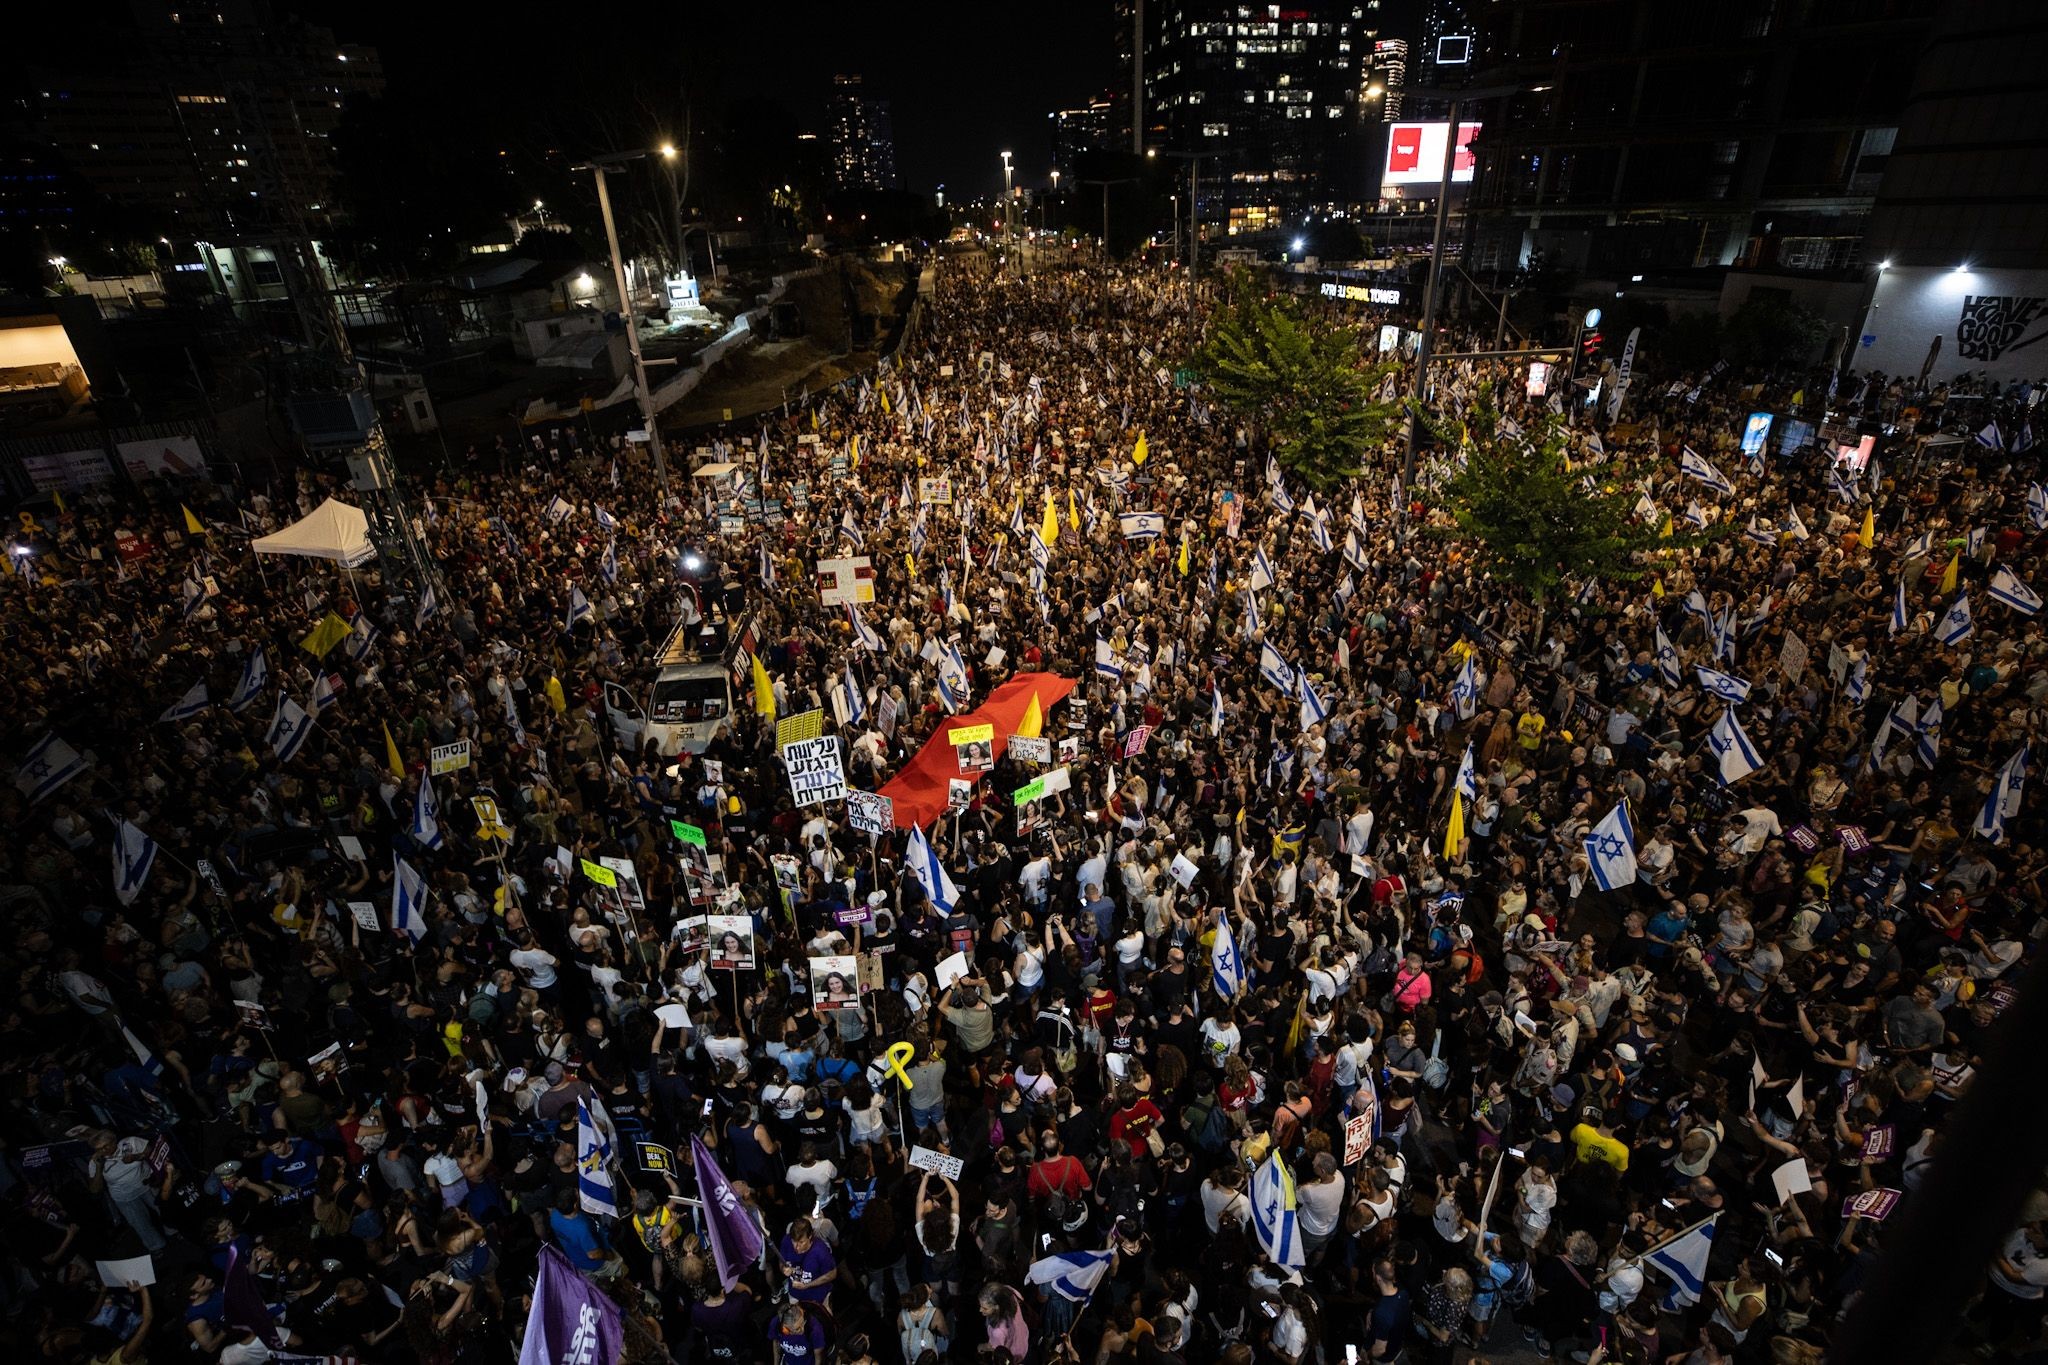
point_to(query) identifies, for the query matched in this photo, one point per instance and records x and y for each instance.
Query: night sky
(965, 81)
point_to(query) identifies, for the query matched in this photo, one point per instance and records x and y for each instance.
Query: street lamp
(599, 165)
(1009, 213)
(541, 209)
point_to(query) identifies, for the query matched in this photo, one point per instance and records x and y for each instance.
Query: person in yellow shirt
(1595, 1140)
(1529, 730)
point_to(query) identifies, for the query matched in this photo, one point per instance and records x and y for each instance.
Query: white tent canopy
(333, 531)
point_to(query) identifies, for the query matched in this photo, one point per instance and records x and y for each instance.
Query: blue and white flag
(1282, 501)
(1262, 570)
(1737, 757)
(408, 899)
(579, 607)
(609, 564)
(290, 727)
(1073, 1275)
(2037, 506)
(2003, 801)
(1226, 964)
(1903, 718)
(1275, 1216)
(49, 766)
(424, 612)
(1314, 710)
(1215, 710)
(856, 707)
(1467, 784)
(1353, 554)
(1795, 525)
(1017, 526)
(559, 508)
(1693, 465)
(1358, 513)
(255, 676)
(325, 692)
(2007, 590)
(1858, 687)
(1899, 617)
(1319, 530)
(1955, 624)
(849, 529)
(1611, 849)
(187, 706)
(1726, 686)
(426, 815)
(918, 533)
(1991, 438)
(593, 1164)
(1142, 525)
(863, 634)
(1465, 689)
(1272, 470)
(1668, 666)
(930, 873)
(767, 568)
(1724, 636)
(1275, 669)
(1683, 1261)
(1252, 624)
(1107, 661)
(1696, 514)
(1696, 603)
(1927, 733)
(361, 636)
(1920, 547)
(148, 1060)
(605, 520)
(134, 856)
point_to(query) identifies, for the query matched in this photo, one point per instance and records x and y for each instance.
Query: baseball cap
(554, 1073)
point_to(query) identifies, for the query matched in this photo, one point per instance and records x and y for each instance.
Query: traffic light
(1589, 347)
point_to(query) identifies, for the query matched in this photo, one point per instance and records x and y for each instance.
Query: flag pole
(1683, 1232)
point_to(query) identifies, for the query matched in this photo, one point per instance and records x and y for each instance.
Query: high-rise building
(1268, 95)
(1389, 73)
(1675, 135)
(863, 138)
(1076, 132)
(191, 114)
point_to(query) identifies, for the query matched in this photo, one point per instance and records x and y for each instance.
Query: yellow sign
(809, 725)
(489, 825)
(972, 734)
(600, 874)
(899, 1053)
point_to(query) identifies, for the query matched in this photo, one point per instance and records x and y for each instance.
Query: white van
(691, 698)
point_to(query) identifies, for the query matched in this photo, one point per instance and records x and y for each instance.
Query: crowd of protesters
(256, 1110)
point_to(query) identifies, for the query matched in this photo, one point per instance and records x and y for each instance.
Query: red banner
(919, 791)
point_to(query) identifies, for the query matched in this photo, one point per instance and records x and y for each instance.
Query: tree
(1535, 520)
(1304, 382)
(1771, 333)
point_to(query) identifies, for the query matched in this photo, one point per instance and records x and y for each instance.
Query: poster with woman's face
(732, 941)
(835, 983)
(693, 934)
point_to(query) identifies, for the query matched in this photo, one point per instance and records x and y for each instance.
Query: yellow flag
(391, 758)
(1948, 575)
(1664, 528)
(1657, 588)
(853, 453)
(1454, 832)
(814, 419)
(555, 697)
(764, 691)
(1050, 531)
(1183, 563)
(1073, 511)
(1033, 724)
(1799, 398)
(331, 631)
(58, 495)
(191, 522)
(885, 400)
(1868, 535)
(1140, 451)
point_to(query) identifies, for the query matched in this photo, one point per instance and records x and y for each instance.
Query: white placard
(938, 1163)
(366, 915)
(851, 579)
(870, 812)
(447, 758)
(815, 773)
(1058, 780)
(351, 847)
(951, 969)
(135, 1270)
(673, 1016)
(1790, 1179)
(995, 657)
(1184, 871)
(1030, 748)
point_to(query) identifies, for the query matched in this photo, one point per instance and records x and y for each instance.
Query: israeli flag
(1252, 624)
(1668, 666)
(1611, 849)
(1465, 690)
(559, 508)
(1955, 625)
(1726, 686)
(49, 766)
(426, 815)
(1282, 502)
(1467, 784)
(2007, 590)
(593, 1164)
(609, 564)
(1991, 438)
(1314, 711)
(325, 693)
(1275, 669)
(1724, 636)
(1761, 535)
(1696, 603)
(134, 856)
(2003, 801)
(1226, 964)
(1904, 718)
(1353, 554)
(950, 695)
(1696, 514)
(1795, 525)
(1358, 513)
(579, 607)
(767, 568)
(1073, 1275)
(1319, 531)
(856, 708)
(187, 706)
(1899, 607)
(1040, 552)
(1142, 525)
(1262, 570)
(255, 676)
(1106, 661)
(361, 636)
(1921, 547)
(1693, 465)
(424, 612)
(850, 531)
(1215, 710)
(1858, 688)
(1274, 1213)
(408, 900)
(863, 634)
(917, 533)
(2037, 506)
(930, 873)
(1272, 470)
(148, 1060)
(290, 725)
(1738, 758)
(1927, 733)
(605, 520)
(1683, 1261)
(1017, 526)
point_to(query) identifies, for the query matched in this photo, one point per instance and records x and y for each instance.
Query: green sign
(688, 834)
(1029, 792)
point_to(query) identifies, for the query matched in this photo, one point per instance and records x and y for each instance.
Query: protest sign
(815, 774)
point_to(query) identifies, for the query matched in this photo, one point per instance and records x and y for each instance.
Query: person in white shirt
(1035, 877)
(1358, 832)
(1759, 824)
(1620, 1284)
(1322, 1205)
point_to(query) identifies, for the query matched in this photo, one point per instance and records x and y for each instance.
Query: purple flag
(242, 1302)
(572, 1319)
(735, 1238)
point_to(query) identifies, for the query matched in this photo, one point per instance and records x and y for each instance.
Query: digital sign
(1415, 154)
(1755, 432)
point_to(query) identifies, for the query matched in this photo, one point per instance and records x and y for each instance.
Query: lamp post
(1009, 218)
(541, 209)
(600, 165)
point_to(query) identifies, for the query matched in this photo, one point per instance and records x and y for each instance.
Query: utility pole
(611, 236)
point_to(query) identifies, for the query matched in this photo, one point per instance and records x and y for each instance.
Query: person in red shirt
(1234, 1092)
(1134, 1119)
(1056, 1171)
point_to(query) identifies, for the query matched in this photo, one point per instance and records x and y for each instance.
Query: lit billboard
(1415, 154)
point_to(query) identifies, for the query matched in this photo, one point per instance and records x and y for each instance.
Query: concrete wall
(39, 343)
(1989, 321)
